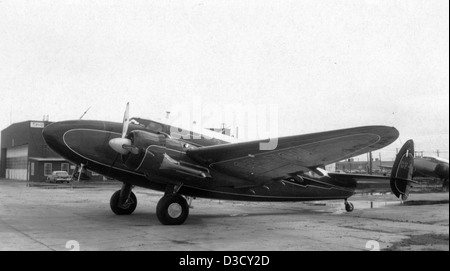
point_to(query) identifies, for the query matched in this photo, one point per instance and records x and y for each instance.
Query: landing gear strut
(124, 201)
(445, 185)
(348, 206)
(172, 209)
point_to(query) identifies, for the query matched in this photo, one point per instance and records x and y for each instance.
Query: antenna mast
(85, 112)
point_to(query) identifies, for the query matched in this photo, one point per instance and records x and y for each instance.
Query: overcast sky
(326, 64)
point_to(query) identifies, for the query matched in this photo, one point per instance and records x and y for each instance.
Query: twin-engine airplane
(435, 167)
(211, 168)
(429, 166)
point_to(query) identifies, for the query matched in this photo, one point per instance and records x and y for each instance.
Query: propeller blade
(126, 120)
(117, 144)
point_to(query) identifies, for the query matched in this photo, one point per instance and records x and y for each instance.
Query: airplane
(436, 167)
(189, 167)
(429, 166)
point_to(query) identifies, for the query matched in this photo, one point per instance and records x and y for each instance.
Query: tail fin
(401, 175)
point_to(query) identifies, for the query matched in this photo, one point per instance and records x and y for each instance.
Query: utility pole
(370, 163)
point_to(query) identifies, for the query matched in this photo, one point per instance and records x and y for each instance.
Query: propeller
(122, 145)
(117, 144)
(126, 120)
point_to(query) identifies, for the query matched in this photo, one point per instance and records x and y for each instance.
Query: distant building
(331, 167)
(351, 166)
(224, 131)
(26, 156)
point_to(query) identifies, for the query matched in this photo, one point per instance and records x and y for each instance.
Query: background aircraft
(144, 154)
(435, 167)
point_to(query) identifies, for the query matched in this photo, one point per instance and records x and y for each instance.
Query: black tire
(130, 206)
(349, 207)
(172, 210)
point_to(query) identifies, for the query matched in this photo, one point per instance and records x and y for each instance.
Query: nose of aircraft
(53, 134)
(58, 138)
(48, 131)
(82, 140)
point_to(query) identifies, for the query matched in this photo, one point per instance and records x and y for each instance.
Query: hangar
(25, 155)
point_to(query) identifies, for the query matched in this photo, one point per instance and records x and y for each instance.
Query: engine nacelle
(152, 153)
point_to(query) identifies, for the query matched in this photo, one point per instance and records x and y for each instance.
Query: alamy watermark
(246, 121)
(373, 245)
(73, 245)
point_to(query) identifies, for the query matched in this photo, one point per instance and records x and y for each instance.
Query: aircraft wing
(292, 154)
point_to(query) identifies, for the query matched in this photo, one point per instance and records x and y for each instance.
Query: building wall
(17, 163)
(38, 173)
(19, 142)
(38, 146)
(13, 137)
(3, 163)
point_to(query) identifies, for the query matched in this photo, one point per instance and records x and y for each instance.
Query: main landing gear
(172, 209)
(124, 201)
(348, 206)
(445, 185)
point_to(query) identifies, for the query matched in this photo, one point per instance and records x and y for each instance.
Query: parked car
(59, 177)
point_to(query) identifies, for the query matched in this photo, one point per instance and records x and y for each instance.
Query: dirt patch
(425, 202)
(428, 242)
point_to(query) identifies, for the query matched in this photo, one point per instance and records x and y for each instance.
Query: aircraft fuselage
(86, 142)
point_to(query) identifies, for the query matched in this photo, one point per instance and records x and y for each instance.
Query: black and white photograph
(228, 126)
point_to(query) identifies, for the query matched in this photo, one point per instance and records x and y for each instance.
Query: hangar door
(17, 163)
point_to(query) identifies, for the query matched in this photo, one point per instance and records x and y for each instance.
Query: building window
(65, 167)
(47, 169)
(32, 169)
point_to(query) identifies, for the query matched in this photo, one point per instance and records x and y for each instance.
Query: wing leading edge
(294, 153)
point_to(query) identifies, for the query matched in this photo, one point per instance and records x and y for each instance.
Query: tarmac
(59, 217)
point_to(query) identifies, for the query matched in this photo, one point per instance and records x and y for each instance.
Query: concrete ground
(56, 217)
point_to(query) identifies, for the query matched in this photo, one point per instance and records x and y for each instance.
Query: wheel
(349, 207)
(172, 210)
(129, 206)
